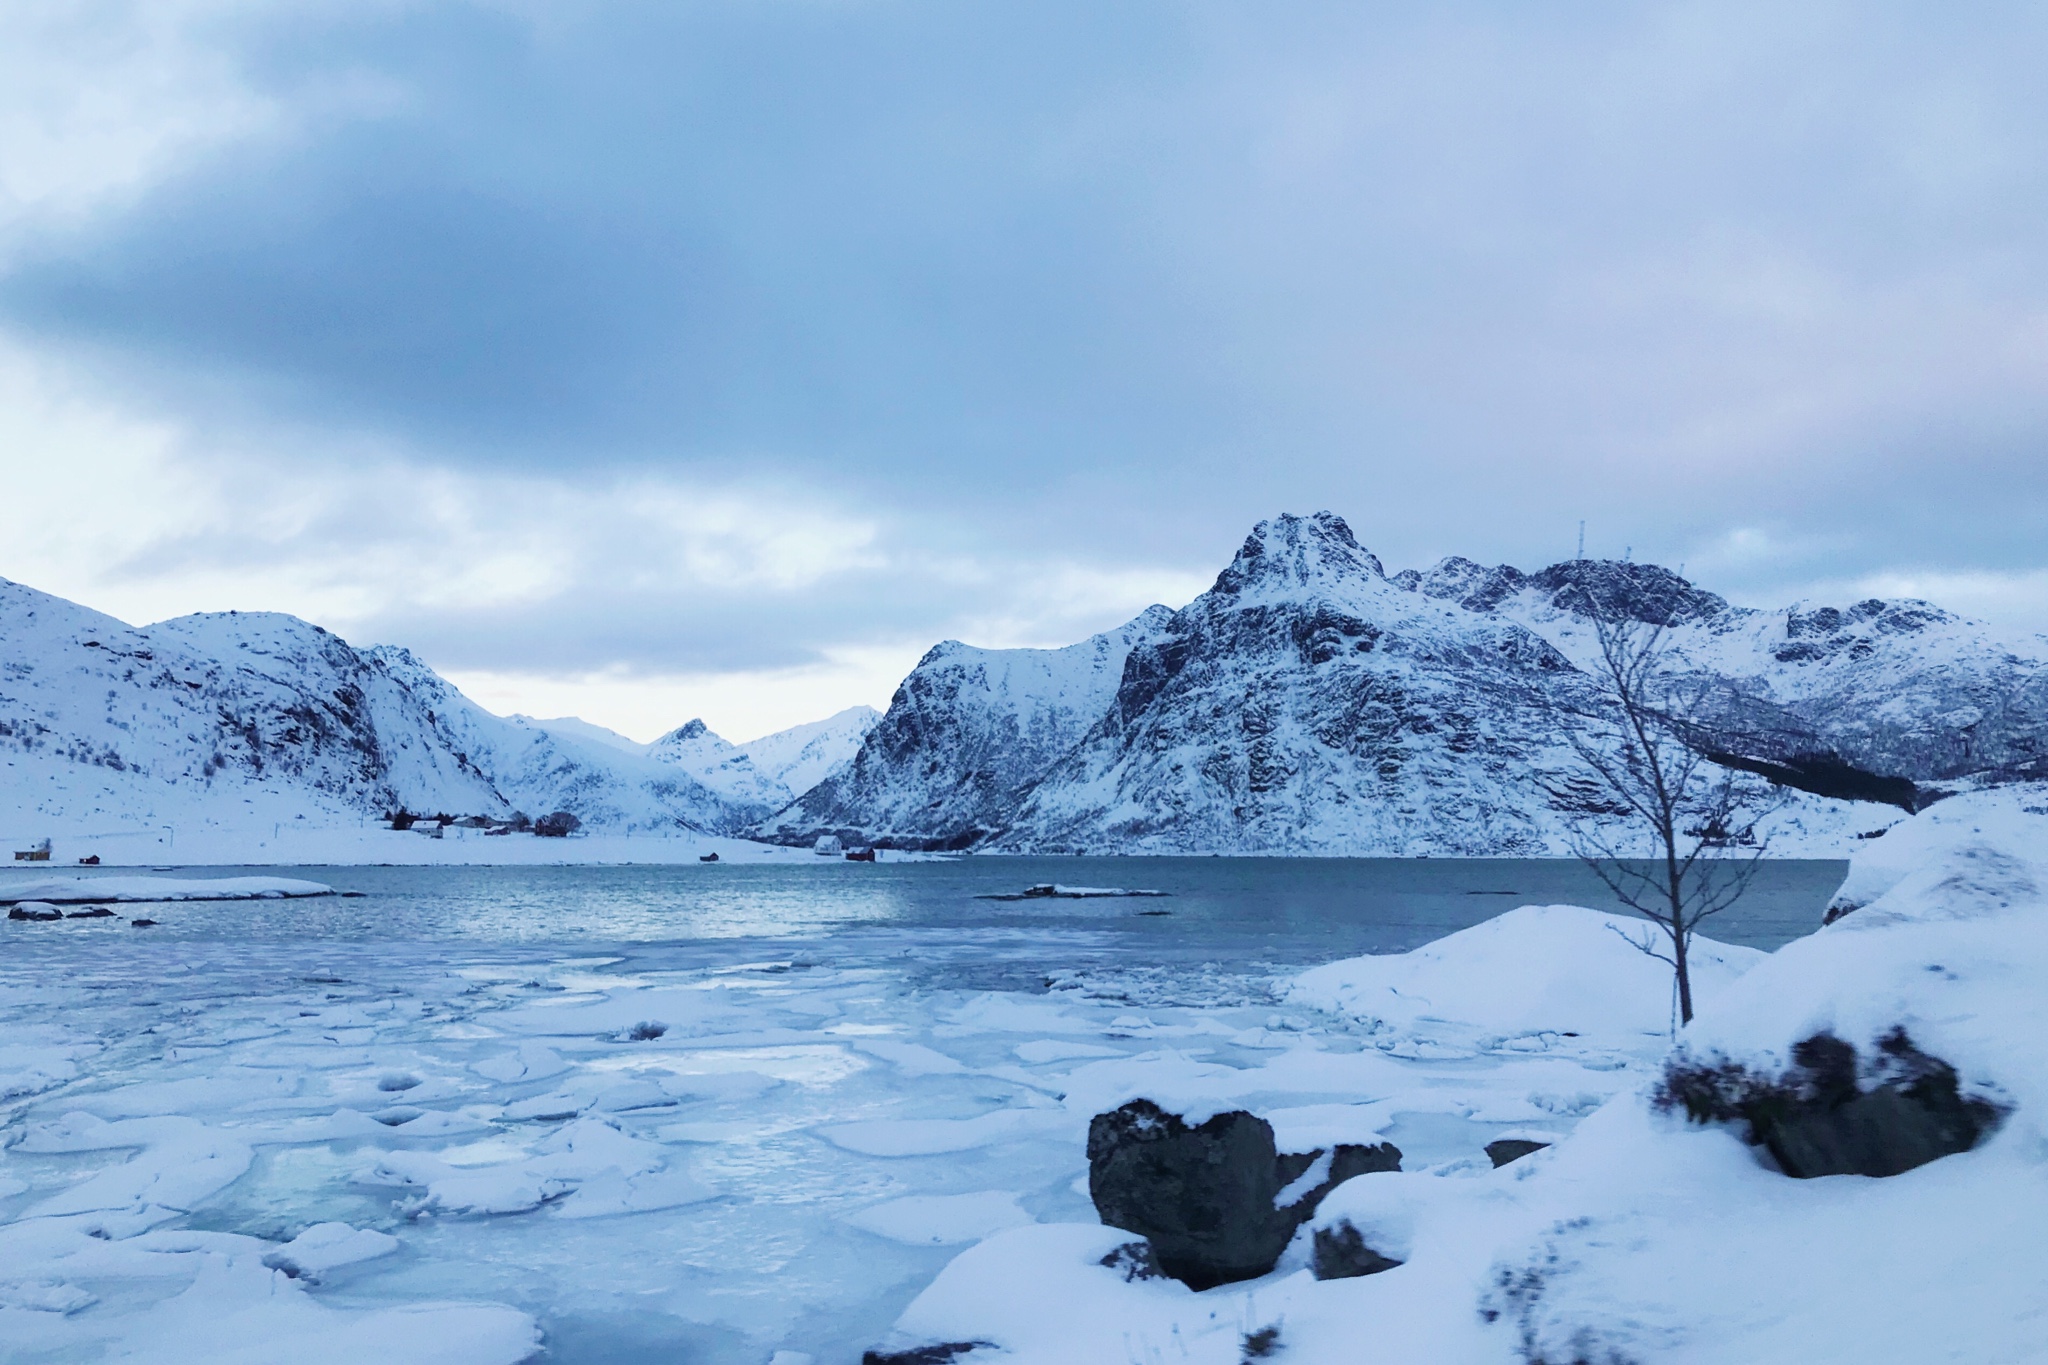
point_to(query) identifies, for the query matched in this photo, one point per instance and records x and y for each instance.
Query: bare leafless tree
(1670, 833)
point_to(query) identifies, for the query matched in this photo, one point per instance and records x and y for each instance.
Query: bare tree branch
(1635, 726)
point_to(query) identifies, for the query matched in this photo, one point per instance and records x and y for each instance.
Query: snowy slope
(220, 718)
(538, 769)
(804, 755)
(965, 730)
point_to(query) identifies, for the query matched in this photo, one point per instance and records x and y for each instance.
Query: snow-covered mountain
(804, 755)
(1899, 688)
(966, 731)
(245, 719)
(1310, 703)
(719, 765)
(539, 766)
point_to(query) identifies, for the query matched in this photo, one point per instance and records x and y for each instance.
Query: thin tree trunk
(1674, 885)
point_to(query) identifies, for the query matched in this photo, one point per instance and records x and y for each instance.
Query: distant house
(34, 853)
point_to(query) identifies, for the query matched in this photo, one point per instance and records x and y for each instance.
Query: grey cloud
(1067, 279)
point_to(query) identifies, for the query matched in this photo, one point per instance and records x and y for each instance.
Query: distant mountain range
(1311, 703)
(1308, 703)
(202, 716)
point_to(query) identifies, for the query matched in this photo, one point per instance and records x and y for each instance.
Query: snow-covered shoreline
(1639, 1235)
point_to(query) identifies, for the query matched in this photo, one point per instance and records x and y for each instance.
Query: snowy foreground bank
(434, 1153)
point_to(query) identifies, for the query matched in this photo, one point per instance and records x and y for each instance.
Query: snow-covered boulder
(1977, 853)
(1217, 1200)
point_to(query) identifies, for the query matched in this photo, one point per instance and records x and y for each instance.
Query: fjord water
(861, 1068)
(1284, 910)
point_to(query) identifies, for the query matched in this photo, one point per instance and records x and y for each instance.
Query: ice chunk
(327, 1246)
(912, 1059)
(1054, 1050)
(941, 1219)
(928, 1137)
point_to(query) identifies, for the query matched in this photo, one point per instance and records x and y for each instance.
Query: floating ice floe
(942, 1219)
(326, 1247)
(76, 889)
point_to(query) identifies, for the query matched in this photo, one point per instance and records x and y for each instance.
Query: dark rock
(646, 1031)
(1501, 1152)
(96, 912)
(1341, 1254)
(1821, 1118)
(939, 1354)
(1262, 1343)
(35, 910)
(142, 924)
(1203, 1197)
(1134, 1261)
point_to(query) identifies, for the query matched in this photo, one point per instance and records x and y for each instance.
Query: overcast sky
(651, 360)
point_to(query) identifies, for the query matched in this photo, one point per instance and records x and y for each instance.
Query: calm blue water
(1276, 910)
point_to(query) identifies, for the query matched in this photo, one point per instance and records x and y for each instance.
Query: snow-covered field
(358, 844)
(456, 1151)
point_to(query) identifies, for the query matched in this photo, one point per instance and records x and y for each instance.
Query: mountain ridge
(1310, 702)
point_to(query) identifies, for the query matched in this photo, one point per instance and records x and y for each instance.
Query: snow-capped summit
(1290, 555)
(720, 766)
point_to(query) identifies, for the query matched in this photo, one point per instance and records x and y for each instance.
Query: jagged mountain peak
(1642, 592)
(1290, 553)
(1873, 615)
(689, 730)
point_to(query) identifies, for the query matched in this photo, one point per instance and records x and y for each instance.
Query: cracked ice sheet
(784, 1167)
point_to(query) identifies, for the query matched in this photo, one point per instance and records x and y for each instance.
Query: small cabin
(34, 853)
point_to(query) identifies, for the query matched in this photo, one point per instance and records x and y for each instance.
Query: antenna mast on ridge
(1582, 540)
